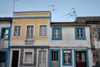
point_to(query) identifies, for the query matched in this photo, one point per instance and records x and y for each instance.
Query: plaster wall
(68, 38)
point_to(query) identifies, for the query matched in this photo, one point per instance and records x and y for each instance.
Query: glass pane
(77, 57)
(32, 31)
(19, 30)
(67, 58)
(15, 31)
(28, 31)
(6, 33)
(83, 57)
(28, 57)
(44, 56)
(40, 56)
(43, 30)
(77, 35)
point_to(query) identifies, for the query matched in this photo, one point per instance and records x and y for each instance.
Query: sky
(82, 8)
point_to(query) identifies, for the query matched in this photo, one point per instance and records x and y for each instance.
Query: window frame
(80, 38)
(33, 30)
(8, 32)
(20, 31)
(39, 30)
(98, 34)
(63, 57)
(25, 51)
(53, 38)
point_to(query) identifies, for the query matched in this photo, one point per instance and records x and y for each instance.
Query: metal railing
(29, 38)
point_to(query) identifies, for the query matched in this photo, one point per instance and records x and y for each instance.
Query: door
(2, 59)
(15, 57)
(80, 59)
(54, 59)
(42, 58)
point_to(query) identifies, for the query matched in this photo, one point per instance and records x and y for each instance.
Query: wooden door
(80, 59)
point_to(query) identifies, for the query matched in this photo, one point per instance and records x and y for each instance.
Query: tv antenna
(53, 8)
(72, 14)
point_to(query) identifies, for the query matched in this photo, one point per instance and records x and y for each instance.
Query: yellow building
(30, 34)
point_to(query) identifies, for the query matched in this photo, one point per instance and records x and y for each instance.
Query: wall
(20, 41)
(68, 38)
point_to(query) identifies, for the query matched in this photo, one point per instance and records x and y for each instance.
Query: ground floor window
(67, 57)
(28, 56)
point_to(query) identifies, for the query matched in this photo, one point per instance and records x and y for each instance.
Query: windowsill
(80, 38)
(42, 36)
(27, 62)
(17, 36)
(67, 64)
(56, 38)
(5, 39)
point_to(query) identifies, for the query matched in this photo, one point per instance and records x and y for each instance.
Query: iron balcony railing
(29, 40)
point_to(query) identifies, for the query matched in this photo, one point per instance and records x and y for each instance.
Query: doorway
(81, 59)
(54, 58)
(15, 57)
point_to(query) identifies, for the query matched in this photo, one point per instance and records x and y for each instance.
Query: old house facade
(5, 31)
(35, 41)
(30, 39)
(70, 45)
(94, 23)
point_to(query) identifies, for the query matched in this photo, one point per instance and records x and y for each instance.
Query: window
(54, 55)
(29, 31)
(17, 30)
(28, 56)
(67, 57)
(80, 33)
(43, 30)
(98, 33)
(5, 33)
(56, 33)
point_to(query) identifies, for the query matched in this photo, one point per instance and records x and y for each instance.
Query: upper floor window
(43, 30)
(17, 30)
(30, 31)
(5, 32)
(98, 33)
(57, 33)
(80, 33)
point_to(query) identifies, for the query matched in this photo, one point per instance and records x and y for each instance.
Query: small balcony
(29, 40)
(1, 44)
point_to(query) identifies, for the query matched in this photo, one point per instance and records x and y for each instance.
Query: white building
(70, 45)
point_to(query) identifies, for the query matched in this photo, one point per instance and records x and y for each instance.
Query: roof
(66, 24)
(63, 22)
(88, 19)
(5, 19)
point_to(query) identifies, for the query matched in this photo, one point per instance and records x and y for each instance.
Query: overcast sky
(62, 7)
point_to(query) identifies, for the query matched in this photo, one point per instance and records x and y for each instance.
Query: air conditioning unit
(1, 43)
